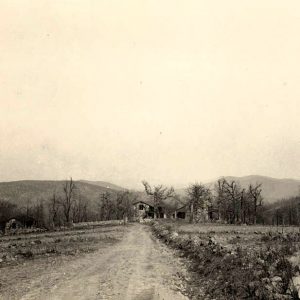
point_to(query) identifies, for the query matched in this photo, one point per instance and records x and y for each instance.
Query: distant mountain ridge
(273, 189)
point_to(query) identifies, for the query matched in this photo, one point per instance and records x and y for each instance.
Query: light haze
(168, 91)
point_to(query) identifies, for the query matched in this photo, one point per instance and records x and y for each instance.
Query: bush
(237, 273)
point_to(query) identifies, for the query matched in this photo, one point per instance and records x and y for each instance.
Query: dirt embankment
(139, 267)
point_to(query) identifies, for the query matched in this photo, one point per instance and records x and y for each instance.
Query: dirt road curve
(137, 268)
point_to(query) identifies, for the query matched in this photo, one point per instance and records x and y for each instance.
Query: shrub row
(227, 273)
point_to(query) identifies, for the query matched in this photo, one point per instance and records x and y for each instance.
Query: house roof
(136, 202)
(184, 207)
(170, 203)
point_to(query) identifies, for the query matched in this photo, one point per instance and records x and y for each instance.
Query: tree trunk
(192, 213)
(125, 219)
(255, 208)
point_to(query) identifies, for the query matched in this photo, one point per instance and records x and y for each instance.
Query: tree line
(283, 212)
(69, 205)
(227, 201)
(235, 204)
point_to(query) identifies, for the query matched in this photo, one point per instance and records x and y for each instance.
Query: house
(145, 210)
(201, 215)
(181, 213)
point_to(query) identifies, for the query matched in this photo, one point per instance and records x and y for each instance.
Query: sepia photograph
(149, 150)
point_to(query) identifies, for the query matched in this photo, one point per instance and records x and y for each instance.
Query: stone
(276, 279)
(174, 236)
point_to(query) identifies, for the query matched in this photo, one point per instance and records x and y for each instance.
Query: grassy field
(33, 261)
(84, 238)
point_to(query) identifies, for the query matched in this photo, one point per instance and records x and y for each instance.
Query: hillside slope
(20, 192)
(104, 184)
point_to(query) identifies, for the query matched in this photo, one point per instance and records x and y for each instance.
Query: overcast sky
(169, 91)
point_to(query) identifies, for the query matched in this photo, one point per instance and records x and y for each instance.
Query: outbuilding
(181, 213)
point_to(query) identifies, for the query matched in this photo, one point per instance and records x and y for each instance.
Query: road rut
(138, 268)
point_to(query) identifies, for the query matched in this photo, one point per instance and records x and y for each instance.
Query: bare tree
(159, 194)
(28, 207)
(220, 199)
(124, 206)
(54, 205)
(244, 206)
(107, 207)
(38, 214)
(7, 210)
(230, 198)
(68, 199)
(255, 196)
(233, 194)
(199, 198)
(80, 208)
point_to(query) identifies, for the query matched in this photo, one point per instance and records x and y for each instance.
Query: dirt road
(137, 268)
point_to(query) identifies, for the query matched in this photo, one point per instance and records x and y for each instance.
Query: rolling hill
(20, 192)
(104, 184)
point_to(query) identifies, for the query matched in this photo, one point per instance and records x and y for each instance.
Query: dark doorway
(181, 215)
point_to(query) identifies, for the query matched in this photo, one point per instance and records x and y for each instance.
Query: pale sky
(168, 91)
